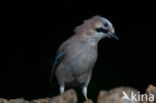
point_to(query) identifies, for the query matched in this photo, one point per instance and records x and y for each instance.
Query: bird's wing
(57, 61)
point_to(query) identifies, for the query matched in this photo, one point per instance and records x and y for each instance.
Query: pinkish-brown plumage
(77, 55)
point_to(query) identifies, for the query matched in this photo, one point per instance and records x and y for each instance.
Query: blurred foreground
(112, 96)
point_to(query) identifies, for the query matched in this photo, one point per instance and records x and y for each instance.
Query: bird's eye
(101, 30)
(105, 24)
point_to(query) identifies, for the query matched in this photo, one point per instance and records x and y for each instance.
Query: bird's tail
(53, 81)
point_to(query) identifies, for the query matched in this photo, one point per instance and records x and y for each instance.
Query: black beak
(113, 36)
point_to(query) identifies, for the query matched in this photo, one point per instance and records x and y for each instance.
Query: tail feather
(53, 81)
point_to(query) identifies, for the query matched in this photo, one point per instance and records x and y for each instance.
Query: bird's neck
(89, 39)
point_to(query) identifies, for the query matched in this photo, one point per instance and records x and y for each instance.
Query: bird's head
(97, 28)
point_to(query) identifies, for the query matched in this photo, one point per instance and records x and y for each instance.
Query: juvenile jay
(76, 57)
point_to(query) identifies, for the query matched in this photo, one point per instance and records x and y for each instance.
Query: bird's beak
(113, 36)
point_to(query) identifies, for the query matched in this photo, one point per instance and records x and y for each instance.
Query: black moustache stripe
(101, 30)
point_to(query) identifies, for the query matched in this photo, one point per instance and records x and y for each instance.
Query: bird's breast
(82, 57)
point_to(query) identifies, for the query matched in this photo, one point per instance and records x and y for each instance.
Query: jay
(76, 57)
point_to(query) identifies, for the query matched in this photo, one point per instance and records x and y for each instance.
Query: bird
(76, 57)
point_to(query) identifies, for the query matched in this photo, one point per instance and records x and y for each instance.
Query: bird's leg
(62, 87)
(84, 91)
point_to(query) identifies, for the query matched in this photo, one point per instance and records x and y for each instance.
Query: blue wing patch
(58, 58)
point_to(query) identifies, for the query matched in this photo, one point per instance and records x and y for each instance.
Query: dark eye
(101, 30)
(105, 24)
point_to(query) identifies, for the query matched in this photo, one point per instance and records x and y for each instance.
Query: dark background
(26, 61)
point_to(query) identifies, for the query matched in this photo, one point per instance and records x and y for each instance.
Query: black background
(45, 25)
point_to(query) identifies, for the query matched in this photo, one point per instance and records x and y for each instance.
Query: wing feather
(59, 57)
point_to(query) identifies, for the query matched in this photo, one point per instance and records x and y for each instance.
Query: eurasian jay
(76, 57)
